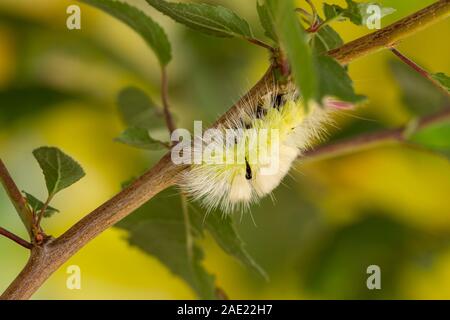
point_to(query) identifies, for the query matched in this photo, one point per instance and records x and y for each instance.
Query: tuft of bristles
(235, 186)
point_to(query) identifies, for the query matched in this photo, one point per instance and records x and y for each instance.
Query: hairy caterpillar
(231, 185)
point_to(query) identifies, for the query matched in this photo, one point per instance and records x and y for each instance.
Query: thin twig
(315, 24)
(261, 44)
(424, 73)
(17, 199)
(15, 238)
(48, 257)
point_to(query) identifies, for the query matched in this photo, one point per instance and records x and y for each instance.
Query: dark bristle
(278, 101)
(248, 171)
(246, 125)
(260, 112)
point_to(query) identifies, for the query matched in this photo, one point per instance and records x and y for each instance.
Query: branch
(16, 198)
(52, 253)
(391, 35)
(15, 238)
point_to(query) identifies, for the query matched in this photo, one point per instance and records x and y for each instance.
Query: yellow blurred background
(388, 206)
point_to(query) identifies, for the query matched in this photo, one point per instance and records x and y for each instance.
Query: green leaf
(352, 12)
(435, 137)
(140, 138)
(19, 101)
(37, 205)
(355, 12)
(210, 19)
(266, 19)
(60, 170)
(152, 33)
(293, 40)
(331, 11)
(443, 80)
(317, 77)
(335, 267)
(164, 213)
(137, 109)
(419, 95)
(334, 81)
(158, 228)
(326, 39)
(222, 228)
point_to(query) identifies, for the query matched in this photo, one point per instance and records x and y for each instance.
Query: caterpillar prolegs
(248, 156)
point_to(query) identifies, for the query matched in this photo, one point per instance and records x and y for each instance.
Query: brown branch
(15, 238)
(391, 35)
(42, 211)
(48, 257)
(16, 198)
(370, 140)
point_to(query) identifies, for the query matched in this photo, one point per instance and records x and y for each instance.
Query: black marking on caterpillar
(248, 170)
(260, 112)
(246, 125)
(278, 101)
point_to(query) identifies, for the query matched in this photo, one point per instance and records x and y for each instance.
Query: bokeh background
(387, 206)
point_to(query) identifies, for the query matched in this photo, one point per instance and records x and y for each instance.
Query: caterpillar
(234, 185)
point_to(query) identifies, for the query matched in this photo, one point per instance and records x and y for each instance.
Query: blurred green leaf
(419, 95)
(435, 137)
(60, 170)
(153, 34)
(210, 19)
(36, 39)
(159, 229)
(222, 228)
(294, 41)
(352, 12)
(336, 264)
(335, 81)
(21, 101)
(443, 79)
(138, 109)
(37, 205)
(140, 138)
(266, 19)
(164, 213)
